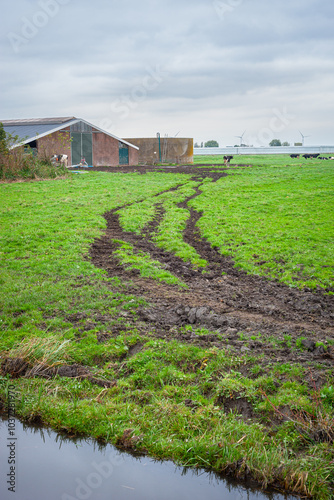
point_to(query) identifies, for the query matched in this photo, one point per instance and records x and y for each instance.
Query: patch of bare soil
(236, 404)
(195, 171)
(18, 367)
(224, 299)
(128, 440)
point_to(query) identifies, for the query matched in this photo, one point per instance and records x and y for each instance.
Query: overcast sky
(197, 68)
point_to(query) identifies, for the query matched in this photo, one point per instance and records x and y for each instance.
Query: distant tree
(275, 142)
(201, 144)
(3, 139)
(4, 145)
(211, 144)
(196, 145)
(285, 143)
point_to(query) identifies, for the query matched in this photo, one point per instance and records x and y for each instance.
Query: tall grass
(20, 164)
(48, 351)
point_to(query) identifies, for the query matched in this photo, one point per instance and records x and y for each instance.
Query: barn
(75, 138)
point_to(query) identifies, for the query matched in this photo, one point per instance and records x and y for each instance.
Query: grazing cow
(310, 155)
(322, 158)
(60, 159)
(64, 160)
(294, 156)
(227, 159)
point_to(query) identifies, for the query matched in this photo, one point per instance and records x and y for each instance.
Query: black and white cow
(61, 159)
(310, 155)
(227, 159)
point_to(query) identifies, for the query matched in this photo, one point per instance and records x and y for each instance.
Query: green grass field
(273, 217)
(274, 220)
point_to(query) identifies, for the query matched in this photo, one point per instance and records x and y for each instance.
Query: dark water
(49, 466)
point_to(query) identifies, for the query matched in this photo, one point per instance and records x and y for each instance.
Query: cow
(60, 160)
(322, 158)
(294, 156)
(310, 155)
(227, 159)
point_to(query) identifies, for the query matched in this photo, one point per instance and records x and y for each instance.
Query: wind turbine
(303, 137)
(240, 137)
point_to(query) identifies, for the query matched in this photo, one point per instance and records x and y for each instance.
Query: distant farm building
(74, 137)
(164, 149)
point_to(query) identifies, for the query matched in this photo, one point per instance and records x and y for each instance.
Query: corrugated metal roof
(39, 121)
(29, 131)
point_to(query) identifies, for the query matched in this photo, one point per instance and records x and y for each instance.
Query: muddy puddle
(47, 465)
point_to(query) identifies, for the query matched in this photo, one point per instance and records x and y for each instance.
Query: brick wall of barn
(105, 148)
(133, 156)
(106, 151)
(58, 143)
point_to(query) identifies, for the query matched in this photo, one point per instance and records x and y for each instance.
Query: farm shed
(75, 138)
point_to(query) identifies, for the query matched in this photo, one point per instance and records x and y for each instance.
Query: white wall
(265, 151)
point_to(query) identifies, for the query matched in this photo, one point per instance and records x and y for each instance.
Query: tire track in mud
(254, 293)
(223, 297)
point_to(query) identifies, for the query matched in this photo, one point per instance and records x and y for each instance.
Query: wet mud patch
(196, 171)
(152, 226)
(19, 367)
(80, 372)
(134, 349)
(15, 367)
(128, 440)
(102, 253)
(237, 404)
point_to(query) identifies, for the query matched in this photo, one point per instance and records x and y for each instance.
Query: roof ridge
(38, 121)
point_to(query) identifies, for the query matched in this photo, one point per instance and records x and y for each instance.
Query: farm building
(75, 138)
(164, 149)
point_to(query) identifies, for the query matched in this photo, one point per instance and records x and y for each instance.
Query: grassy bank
(177, 398)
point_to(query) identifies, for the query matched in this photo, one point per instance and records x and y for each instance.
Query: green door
(76, 148)
(82, 147)
(87, 148)
(123, 154)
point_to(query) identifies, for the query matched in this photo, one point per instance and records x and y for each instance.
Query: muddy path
(223, 299)
(197, 171)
